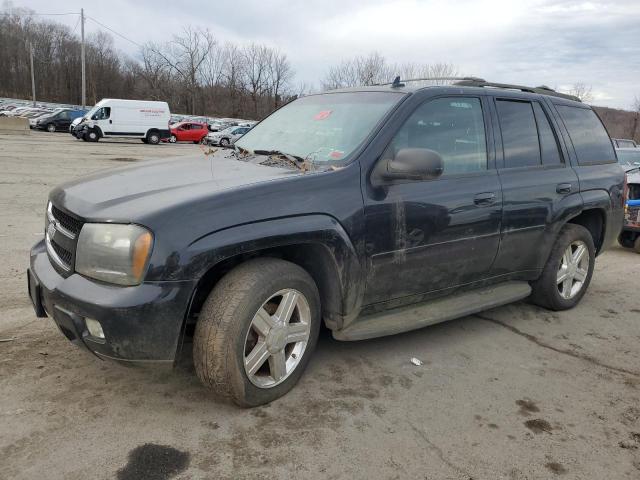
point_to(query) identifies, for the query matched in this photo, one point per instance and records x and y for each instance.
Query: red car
(188, 132)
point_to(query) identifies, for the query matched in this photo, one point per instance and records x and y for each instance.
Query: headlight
(113, 253)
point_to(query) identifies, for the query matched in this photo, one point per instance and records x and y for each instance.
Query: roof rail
(542, 89)
(397, 83)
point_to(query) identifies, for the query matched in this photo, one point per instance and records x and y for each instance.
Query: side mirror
(409, 164)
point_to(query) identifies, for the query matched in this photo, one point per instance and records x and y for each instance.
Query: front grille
(61, 237)
(64, 254)
(67, 221)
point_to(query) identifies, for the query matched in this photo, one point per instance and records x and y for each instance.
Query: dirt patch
(124, 159)
(527, 407)
(538, 425)
(154, 462)
(556, 468)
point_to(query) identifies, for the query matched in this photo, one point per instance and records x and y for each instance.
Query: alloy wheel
(277, 338)
(573, 270)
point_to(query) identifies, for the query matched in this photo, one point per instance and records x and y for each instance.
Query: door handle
(111, 121)
(487, 198)
(563, 188)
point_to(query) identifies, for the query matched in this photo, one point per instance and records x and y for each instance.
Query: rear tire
(568, 271)
(153, 138)
(243, 346)
(636, 244)
(143, 140)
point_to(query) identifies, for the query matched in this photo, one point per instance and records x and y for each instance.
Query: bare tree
(374, 69)
(280, 75)
(582, 91)
(256, 60)
(185, 55)
(357, 71)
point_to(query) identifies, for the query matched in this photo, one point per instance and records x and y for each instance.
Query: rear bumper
(141, 324)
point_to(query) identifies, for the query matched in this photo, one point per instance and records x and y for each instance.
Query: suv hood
(129, 194)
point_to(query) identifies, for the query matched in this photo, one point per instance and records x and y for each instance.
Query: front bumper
(141, 323)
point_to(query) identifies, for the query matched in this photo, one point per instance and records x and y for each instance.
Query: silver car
(227, 136)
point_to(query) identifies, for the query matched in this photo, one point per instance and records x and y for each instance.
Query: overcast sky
(531, 42)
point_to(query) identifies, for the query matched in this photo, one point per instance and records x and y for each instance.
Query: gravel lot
(514, 393)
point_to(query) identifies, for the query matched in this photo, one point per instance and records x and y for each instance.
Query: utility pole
(84, 85)
(33, 77)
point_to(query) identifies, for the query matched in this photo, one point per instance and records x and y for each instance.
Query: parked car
(373, 210)
(624, 143)
(227, 136)
(188, 132)
(218, 125)
(58, 120)
(113, 118)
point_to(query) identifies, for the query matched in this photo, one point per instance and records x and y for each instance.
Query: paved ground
(515, 393)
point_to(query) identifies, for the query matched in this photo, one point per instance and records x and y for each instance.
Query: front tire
(173, 139)
(51, 128)
(224, 142)
(568, 271)
(257, 330)
(92, 136)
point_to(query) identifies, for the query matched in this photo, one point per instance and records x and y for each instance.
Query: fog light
(94, 327)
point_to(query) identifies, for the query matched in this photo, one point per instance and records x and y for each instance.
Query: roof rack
(481, 82)
(397, 83)
(542, 89)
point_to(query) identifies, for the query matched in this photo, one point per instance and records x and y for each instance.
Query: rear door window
(519, 133)
(590, 140)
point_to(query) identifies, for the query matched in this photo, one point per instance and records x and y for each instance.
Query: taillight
(625, 191)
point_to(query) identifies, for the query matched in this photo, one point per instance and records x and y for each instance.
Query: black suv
(372, 210)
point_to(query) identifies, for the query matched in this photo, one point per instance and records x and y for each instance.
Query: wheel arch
(593, 219)
(98, 130)
(317, 243)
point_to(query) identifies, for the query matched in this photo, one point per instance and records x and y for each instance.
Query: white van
(146, 120)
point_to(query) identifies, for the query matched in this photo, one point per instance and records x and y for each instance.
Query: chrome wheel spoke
(566, 287)
(297, 332)
(256, 358)
(581, 275)
(278, 365)
(579, 254)
(563, 273)
(286, 307)
(262, 322)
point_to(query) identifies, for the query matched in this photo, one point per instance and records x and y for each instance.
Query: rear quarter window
(590, 140)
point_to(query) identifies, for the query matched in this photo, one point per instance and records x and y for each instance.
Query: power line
(113, 31)
(76, 26)
(20, 14)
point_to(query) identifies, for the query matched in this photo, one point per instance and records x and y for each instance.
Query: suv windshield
(322, 128)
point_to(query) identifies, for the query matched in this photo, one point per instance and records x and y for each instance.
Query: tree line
(193, 71)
